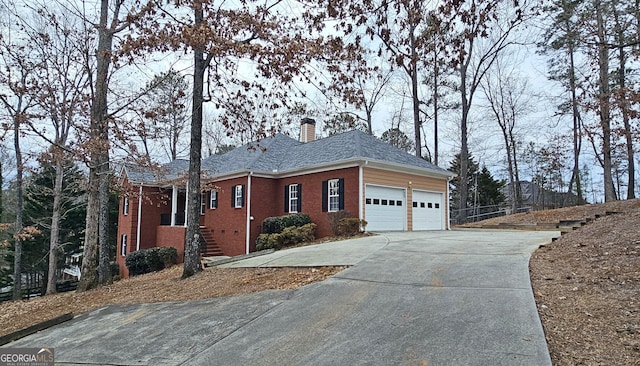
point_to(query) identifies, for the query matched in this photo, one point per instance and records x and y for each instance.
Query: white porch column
(174, 204)
(186, 203)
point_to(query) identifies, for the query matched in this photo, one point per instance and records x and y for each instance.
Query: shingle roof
(282, 154)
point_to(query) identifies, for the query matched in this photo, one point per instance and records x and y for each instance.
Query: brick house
(353, 171)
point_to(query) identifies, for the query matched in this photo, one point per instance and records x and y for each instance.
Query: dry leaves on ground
(160, 286)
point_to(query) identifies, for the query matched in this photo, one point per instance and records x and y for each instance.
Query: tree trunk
(414, 92)
(436, 75)
(55, 228)
(577, 125)
(624, 107)
(99, 150)
(192, 242)
(464, 149)
(604, 102)
(17, 260)
(104, 267)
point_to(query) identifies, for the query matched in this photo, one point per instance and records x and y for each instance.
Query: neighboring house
(353, 171)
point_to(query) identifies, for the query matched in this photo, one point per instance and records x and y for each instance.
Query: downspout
(139, 218)
(248, 198)
(360, 196)
(448, 207)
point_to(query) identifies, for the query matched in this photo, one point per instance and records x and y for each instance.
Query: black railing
(165, 219)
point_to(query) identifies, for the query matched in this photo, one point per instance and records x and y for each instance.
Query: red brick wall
(228, 223)
(172, 236)
(312, 195)
(264, 203)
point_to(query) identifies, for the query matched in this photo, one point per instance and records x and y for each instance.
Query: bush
(275, 225)
(350, 226)
(136, 263)
(288, 237)
(150, 260)
(334, 220)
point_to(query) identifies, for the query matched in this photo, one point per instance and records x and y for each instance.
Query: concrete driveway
(428, 298)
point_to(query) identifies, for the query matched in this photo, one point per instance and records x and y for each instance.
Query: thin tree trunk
(577, 134)
(624, 106)
(414, 92)
(192, 242)
(436, 75)
(464, 149)
(55, 228)
(605, 117)
(17, 261)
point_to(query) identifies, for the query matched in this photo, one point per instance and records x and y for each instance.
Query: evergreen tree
(484, 190)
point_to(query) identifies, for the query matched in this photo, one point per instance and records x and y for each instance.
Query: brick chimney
(307, 130)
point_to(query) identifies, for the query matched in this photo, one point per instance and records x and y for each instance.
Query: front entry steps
(208, 247)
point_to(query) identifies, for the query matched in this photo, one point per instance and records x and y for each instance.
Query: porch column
(186, 204)
(174, 204)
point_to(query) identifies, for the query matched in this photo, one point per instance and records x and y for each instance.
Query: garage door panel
(385, 208)
(427, 210)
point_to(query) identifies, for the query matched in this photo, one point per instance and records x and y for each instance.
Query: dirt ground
(586, 285)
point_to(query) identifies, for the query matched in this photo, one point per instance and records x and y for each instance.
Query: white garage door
(427, 211)
(385, 208)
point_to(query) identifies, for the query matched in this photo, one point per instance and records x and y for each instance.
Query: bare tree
(506, 93)
(482, 31)
(61, 96)
(17, 77)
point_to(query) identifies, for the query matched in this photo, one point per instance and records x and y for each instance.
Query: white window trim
(293, 198)
(333, 191)
(213, 199)
(125, 206)
(123, 245)
(238, 197)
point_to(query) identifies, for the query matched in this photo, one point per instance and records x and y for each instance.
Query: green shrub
(350, 226)
(288, 237)
(150, 260)
(274, 225)
(136, 263)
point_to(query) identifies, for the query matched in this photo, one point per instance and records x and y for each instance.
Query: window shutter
(242, 191)
(299, 197)
(325, 195)
(341, 193)
(208, 200)
(286, 198)
(233, 196)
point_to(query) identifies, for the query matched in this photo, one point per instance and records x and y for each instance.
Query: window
(376, 201)
(293, 198)
(237, 198)
(203, 202)
(125, 206)
(421, 204)
(123, 245)
(333, 195)
(392, 202)
(384, 202)
(415, 204)
(213, 199)
(368, 201)
(437, 205)
(430, 205)
(398, 203)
